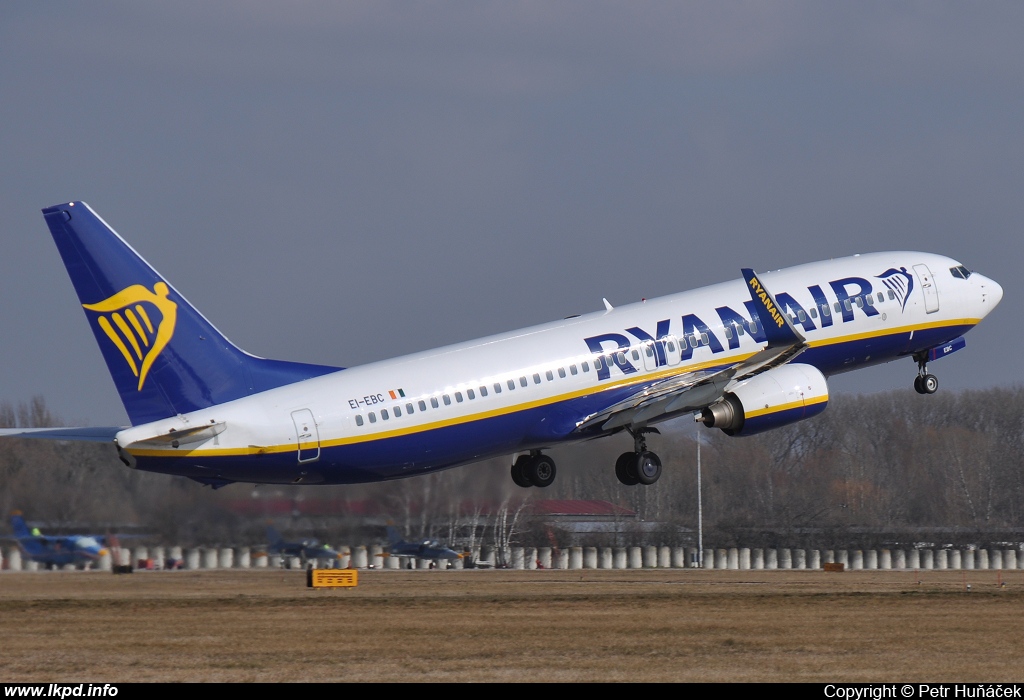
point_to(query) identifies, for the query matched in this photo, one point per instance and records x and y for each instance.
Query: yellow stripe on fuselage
(516, 408)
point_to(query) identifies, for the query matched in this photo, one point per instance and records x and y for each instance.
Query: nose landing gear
(924, 383)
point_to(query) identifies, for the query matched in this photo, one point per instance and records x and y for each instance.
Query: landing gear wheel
(929, 384)
(648, 468)
(917, 384)
(540, 471)
(625, 469)
(519, 469)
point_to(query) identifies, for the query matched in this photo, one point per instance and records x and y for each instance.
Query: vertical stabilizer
(163, 355)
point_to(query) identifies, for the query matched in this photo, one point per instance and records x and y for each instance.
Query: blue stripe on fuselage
(474, 440)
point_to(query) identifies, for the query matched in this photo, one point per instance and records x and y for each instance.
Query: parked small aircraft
(54, 551)
(306, 550)
(426, 549)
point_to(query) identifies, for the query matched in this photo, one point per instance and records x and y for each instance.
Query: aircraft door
(673, 353)
(308, 441)
(931, 294)
(650, 354)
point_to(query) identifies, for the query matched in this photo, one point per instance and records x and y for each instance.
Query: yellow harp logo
(123, 317)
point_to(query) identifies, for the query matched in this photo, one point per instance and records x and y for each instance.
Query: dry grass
(648, 625)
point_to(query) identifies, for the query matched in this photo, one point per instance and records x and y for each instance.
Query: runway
(519, 626)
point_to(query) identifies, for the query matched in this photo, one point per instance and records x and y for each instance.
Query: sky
(343, 182)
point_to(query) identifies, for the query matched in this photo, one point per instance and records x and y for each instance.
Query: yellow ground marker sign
(332, 578)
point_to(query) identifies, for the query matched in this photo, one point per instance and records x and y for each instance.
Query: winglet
(778, 329)
(607, 305)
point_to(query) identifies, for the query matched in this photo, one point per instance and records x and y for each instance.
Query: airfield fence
(646, 557)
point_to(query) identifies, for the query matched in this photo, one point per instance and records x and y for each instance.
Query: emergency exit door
(308, 437)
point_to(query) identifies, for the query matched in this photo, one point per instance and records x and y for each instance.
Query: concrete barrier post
(105, 562)
(857, 560)
(193, 559)
(1010, 559)
(361, 558)
(563, 559)
(800, 559)
(544, 555)
(664, 557)
(14, 559)
(885, 559)
(530, 558)
(757, 558)
(210, 558)
(732, 558)
(871, 559)
(771, 558)
(914, 559)
(226, 558)
(679, 557)
(967, 559)
(590, 557)
(954, 559)
(620, 558)
(927, 559)
(605, 558)
(157, 555)
(899, 559)
(708, 562)
(785, 558)
(942, 559)
(260, 560)
(575, 558)
(814, 559)
(635, 558)
(650, 556)
(995, 559)
(721, 558)
(981, 559)
(744, 558)
(518, 558)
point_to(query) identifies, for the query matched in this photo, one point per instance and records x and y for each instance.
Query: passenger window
(359, 419)
(398, 411)
(384, 414)
(621, 357)
(549, 375)
(839, 309)
(846, 303)
(892, 295)
(636, 355)
(860, 302)
(573, 371)
(813, 312)
(597, 364)
(458, 396)
(801, 315)
(483, 391)
(704, 339)
(880, 298)
(869, 300)
(447, 400)
(511, 384)
(423, 405)
(753, 327)
(497, 387)
(373, 417)
(522, 381)
(825, 311)
(471, 394)
(670, 346)
(536, 378)
(739, 329)
(433, 402)
(728, 333)
(408, 408)
(690, 340)
(649, 351)
(561, 372)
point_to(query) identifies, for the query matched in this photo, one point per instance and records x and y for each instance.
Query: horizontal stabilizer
(105, 434)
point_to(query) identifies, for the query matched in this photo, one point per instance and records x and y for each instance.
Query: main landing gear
(639, 466)
(534, 469)
(924, 383)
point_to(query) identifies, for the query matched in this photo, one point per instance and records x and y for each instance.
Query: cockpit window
(960, 271)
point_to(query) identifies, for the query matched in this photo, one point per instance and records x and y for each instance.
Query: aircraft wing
(103, 434)
(690, 391)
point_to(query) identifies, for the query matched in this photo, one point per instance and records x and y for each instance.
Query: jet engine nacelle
(780, 396)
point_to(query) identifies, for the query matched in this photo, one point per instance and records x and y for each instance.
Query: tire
(918, 385)
(519, 469)
(625, 469)
(648, 468)
(930, 384)
(541, 471)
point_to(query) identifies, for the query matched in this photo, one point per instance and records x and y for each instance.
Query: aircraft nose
(991, 293)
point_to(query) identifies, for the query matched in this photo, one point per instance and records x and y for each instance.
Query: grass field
(520, 626)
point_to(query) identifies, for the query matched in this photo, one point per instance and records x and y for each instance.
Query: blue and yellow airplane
(424, 549)
(55, 551)
(306, 550)
(734, 356)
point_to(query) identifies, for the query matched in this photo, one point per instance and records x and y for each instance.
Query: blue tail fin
(394, 537)
(163, 355)
(19, 526)
(273, 536)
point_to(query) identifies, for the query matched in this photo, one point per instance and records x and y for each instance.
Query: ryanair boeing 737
(742, 356)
